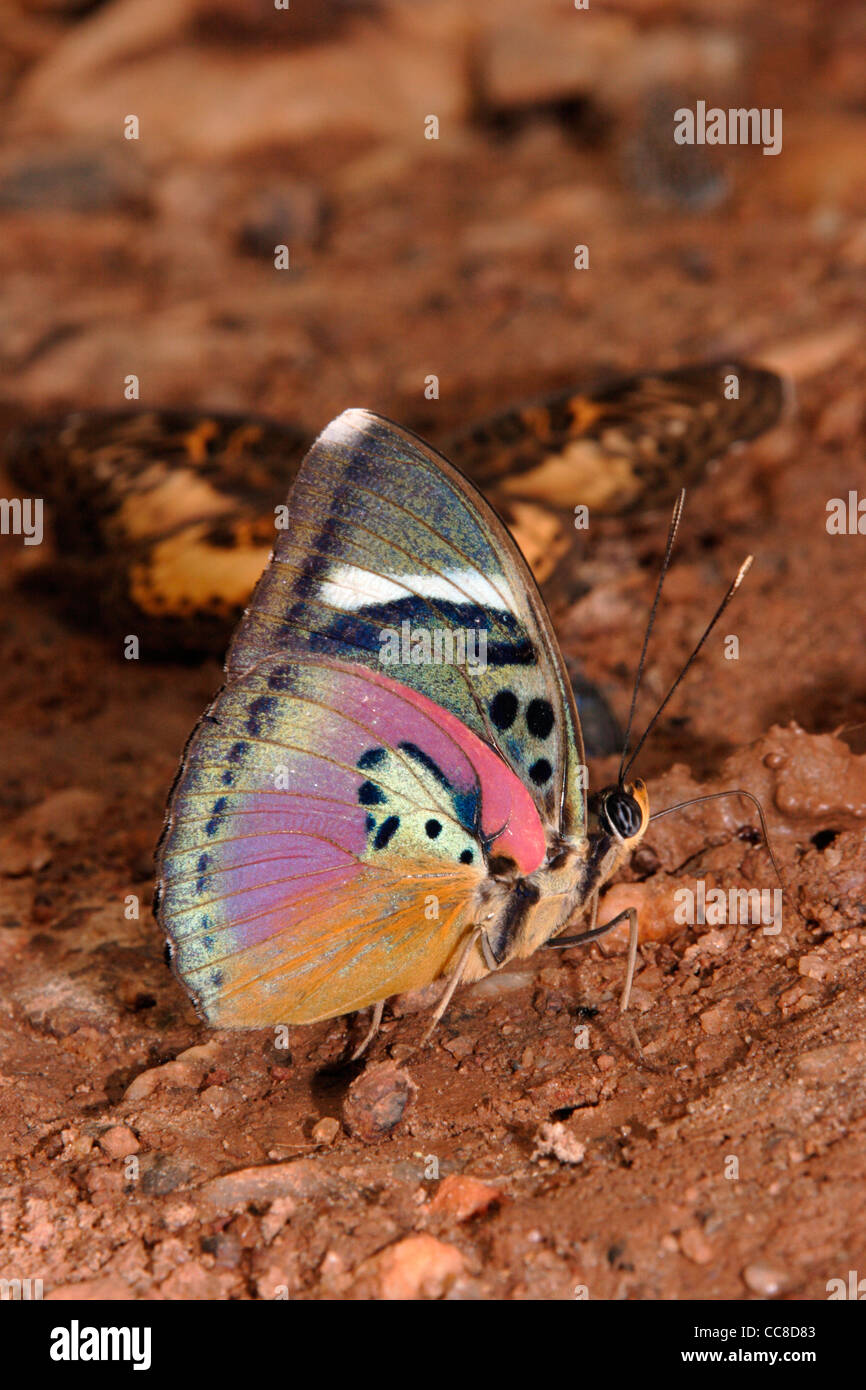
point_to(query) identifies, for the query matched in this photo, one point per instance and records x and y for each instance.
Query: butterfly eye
(622, 814)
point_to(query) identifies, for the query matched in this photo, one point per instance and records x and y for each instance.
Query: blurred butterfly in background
(390, 787)
(163, 520)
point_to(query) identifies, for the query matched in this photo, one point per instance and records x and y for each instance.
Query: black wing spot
(237, 751)
(466, 856)
(540, 772)
(433, 828)
(503, 708)
(280, 679)
(539, 718)
(217, 809)
(413, 751)
(370, 795)
(257, 709)
(372, 758)
(386, 832)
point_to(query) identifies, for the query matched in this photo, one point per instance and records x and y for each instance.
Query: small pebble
(281, 1210)
(193, 1281)
(325, 1130)
(302, 1177)
(119, 1142)
(418, 1267)
(695, 1246)
(161, 1173)
(216, 1098)
(828, 1062)
(815, 967)
(177, 1074)
(464, 1197)
(765, 1278)
(719, 1018)
(202, 1052)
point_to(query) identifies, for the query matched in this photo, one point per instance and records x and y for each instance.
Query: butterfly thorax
(521, 913)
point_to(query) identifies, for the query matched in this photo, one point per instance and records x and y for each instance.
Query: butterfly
(164, 519)
(390, 787)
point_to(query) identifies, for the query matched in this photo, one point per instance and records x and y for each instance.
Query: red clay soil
(710, 1143)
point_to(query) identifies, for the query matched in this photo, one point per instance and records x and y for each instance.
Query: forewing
(391, 559)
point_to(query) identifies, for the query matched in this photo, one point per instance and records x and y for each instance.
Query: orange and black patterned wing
(164, 519)
(626, 443)
(634, 441)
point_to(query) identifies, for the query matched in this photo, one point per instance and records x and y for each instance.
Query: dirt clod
(377, 1100)
(557, 1140)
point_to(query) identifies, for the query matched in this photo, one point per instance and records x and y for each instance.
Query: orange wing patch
(386, 931)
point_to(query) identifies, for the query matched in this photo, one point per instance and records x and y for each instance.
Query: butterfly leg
(595, 932)
(491, 960)
(453, 982)
(593, 912)
(631, 914)
(375, 1024)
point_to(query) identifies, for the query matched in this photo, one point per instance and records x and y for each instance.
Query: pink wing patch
(508, 822)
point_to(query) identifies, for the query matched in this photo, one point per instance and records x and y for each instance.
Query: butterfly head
(622, 812)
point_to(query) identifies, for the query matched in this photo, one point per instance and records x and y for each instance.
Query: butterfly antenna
(738, 791)
(740, 576)
(672, 535)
